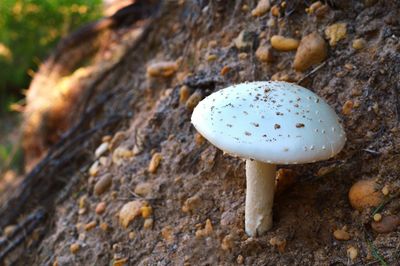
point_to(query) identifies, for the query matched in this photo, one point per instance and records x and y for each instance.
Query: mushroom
(268, 123)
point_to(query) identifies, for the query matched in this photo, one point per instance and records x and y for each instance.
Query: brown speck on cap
(256, 124)
(247, 133)
(299, 125)
(276, 126)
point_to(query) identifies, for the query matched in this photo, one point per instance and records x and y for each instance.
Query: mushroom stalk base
(260, 179)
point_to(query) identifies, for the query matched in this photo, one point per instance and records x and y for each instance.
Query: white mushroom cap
(270, 121)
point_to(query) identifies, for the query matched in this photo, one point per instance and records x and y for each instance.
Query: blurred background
(29, 30)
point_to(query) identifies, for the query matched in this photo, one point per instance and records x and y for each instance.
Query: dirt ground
(187, 196)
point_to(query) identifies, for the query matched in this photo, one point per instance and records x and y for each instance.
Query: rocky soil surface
(152, 191)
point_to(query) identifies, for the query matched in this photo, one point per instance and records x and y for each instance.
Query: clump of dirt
(189, 196)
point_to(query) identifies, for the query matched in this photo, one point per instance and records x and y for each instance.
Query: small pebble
(284, 44)
(240, 259)
(348, 66)
(182, 76)
(352, 253)
(211, 57)
(90, 226)
(271, 22)
(313, 7)
(212, 44)
(199, 139)
(347, 107)
(82, 237)
(243, 56)
(94, 169)
(275, 11)
(264, 54)
(193, 100)
(335, 33)
(377, 217)
(129, 212)
(312, 50)
(281, 76)
(132, 235)
(208, 229)
(155, 162)
(104, 227)
(341, 234)
(184, 93)
(359, 43)
(227, 243)
(114, 194)
(144, 189)
(225, 70)
(74, 248)
(117, 139)
(104, 161)
(364, 194)
(103, 184)
(191, 204)
(322, 11)
(120, 262)
(79, 226)
(261, 8)
(385, 190)
(120, 154)
(9, 230)
(167, 234)
(103, 148)
(279, 243)
(386, 225)
(162, 69)
(325, 170)
(82, 202)
(82, 211)
(244, 40)
(106, 138)
(146, 211)
(148, 223)
(100, 208)
(375, 107)
(357, 104)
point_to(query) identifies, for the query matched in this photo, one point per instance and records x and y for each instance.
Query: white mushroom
(268, 123)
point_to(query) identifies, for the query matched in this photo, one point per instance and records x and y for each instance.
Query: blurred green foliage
(28, 31)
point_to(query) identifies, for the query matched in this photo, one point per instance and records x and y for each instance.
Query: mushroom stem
(260, 179)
